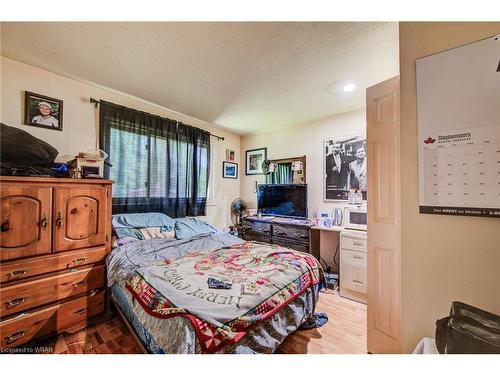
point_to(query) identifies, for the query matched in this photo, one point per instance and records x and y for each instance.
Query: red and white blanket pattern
(265, 278)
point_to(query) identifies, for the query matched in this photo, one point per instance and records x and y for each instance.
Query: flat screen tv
(283, 200)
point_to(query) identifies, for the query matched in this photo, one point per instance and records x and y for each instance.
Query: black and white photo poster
(458, 104)
(344, 166)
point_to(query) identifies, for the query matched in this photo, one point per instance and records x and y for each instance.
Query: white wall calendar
(458, 105)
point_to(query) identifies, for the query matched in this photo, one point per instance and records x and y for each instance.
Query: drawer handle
(59, 219)
(5, 226)
(15, 336)
(78, 284)
(358, 282)
(16, 301)
(358, 257)
(81, 311)
(44, 222)
(17, 273)
(80, 260)
(302, 235)
(355, 243)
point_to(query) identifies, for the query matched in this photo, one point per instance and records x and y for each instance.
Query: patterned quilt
(264, 279)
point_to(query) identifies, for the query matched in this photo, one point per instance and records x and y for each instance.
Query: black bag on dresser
(23, 154)
(468, 330)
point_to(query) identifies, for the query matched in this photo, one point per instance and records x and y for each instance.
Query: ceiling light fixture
(349, 87)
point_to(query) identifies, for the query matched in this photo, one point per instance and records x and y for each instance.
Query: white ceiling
(244, 76)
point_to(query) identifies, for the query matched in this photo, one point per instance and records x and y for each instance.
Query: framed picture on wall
(43, 111)
(344, 164)
(229, 170)
(254, 159)
(230, 155)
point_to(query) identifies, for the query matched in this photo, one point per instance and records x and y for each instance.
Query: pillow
(155, 232)
(123, 241)
(128, 232)
(190, 226)
(143, 220)
(144, 233)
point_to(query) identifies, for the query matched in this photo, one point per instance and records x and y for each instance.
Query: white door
(384, 217)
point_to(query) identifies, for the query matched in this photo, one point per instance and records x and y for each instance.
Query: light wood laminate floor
(344, 333)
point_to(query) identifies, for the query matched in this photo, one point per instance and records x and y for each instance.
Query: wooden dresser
(291, 233)
(55, 235)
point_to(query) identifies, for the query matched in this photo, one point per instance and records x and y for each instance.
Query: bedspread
(127, 258)
(274, 290)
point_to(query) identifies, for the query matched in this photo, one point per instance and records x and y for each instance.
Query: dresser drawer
(353, 243)
(21, 269)
(291, 245)
(249, 237)
(353, 278)
(29, 294)
(292, 233)
(20, 329)
(257, 229)
(354, 258)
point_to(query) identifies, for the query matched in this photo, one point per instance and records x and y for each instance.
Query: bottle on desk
(337, 217)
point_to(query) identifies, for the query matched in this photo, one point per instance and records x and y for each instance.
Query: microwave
(355, 218)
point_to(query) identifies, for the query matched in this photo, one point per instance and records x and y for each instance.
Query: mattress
(178, 334)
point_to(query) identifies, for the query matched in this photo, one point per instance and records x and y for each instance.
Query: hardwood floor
(344, 333)
(109, 337)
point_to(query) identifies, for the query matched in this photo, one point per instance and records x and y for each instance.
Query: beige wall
(80, 128)
(443, 258)
(297, 141)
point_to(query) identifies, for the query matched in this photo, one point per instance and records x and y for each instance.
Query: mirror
(287, 171)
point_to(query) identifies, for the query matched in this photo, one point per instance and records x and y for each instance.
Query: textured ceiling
(244, 76)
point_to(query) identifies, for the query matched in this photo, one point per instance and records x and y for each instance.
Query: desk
(324, 242)
(329, 229)
(349, 261)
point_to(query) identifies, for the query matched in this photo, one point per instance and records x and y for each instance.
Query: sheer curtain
(159, 164)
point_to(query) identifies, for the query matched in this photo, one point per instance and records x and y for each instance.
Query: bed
(159, 286)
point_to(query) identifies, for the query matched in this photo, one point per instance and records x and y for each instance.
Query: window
(211, 177)
(130, 173)
(158, 165)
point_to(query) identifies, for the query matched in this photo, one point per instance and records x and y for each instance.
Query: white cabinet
(353, 265)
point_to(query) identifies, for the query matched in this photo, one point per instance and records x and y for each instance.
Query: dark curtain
(158, 164)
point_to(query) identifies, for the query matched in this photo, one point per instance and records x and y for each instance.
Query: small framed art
(230, 155)
(254, 159)
(43, 111)
(229, 170)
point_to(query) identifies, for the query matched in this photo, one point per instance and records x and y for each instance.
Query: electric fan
(239, 209)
